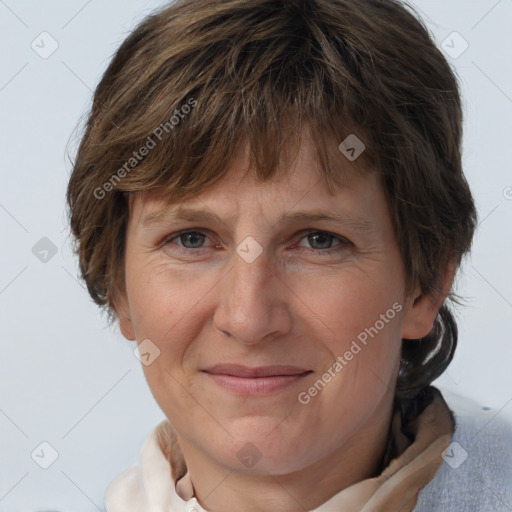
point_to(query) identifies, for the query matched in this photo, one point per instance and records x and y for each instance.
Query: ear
(422, 309)
(125, 319)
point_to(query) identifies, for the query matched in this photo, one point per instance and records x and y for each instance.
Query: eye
(320, 240)
(191, 239)
(323, 242)
(188, 240)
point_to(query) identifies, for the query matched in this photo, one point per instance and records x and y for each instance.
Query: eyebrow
(179, 214)
(184, 214)
(351, 221)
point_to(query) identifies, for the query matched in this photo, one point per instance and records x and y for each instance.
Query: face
(277, 309)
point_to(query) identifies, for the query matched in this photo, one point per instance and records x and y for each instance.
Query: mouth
(261, 380)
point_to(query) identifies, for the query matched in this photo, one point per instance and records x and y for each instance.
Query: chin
(264, 445)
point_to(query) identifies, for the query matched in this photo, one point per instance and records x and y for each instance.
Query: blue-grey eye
(321, 240)
(192, 239)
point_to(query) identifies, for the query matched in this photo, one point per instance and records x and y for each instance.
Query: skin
(202, 304)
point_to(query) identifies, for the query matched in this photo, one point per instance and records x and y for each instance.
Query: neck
(359, 458)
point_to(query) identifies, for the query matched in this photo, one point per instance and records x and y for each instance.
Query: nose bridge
(252, 304)
(250, 280)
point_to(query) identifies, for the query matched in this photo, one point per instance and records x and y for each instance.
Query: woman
(269, 198)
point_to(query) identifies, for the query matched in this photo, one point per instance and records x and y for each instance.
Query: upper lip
(238, 370)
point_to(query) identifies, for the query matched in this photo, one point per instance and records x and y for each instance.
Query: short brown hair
(258, 71)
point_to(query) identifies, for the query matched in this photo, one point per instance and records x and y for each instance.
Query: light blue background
(69, 379)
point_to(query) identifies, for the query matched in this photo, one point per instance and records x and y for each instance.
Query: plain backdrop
(68, 380)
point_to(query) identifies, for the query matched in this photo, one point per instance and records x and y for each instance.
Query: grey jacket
(476, 474)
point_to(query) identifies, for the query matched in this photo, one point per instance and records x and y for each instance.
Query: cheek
(353, 304)
(161, 298)
(360, 325)
(361, 330)
(169, 312)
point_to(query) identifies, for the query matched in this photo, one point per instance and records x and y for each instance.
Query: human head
(260, 72)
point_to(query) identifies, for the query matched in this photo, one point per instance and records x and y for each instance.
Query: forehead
(299, 193)
(308, 163)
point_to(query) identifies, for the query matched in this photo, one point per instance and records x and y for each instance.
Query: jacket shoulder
(476, 472)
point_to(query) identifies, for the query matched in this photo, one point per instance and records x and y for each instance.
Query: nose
(253, 302)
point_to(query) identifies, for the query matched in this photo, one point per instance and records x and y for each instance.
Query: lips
(236, 370)
(258, 380)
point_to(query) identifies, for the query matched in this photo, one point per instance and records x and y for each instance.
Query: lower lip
(256, 385)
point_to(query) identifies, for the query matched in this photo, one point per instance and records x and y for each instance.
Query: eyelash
(343, 242)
